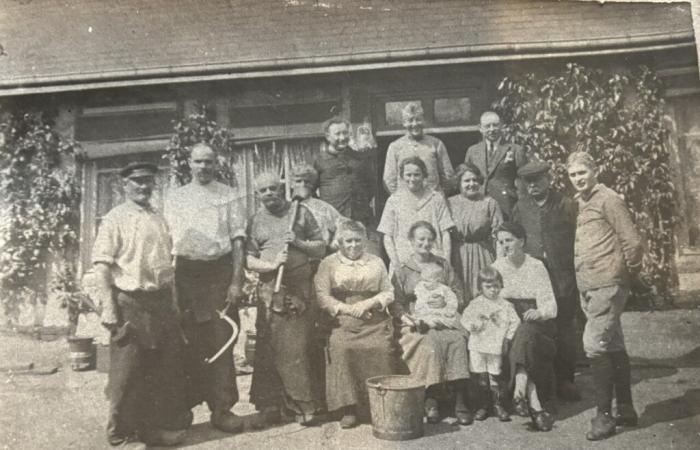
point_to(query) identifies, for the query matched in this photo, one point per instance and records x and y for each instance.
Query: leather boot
(499, 395)
(484, 397)
(626, 416)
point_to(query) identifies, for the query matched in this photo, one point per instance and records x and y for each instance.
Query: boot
(498, 393)
(462, 413)
(602, 374)
(625, 414)
(602, 427)
(484, 397)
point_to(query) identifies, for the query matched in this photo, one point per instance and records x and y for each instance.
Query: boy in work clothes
(608, 253)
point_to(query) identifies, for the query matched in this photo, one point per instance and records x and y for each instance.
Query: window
(454, 110)
(125, 122)
(450, 110)
(393, 112)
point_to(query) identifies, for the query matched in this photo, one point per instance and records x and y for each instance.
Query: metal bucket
(82, 353)
(396, 405)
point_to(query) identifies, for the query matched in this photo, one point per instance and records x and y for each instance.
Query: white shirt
(530, 280)
(204, 219)
(496, 320)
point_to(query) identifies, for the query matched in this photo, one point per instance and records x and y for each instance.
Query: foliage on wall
(618, 119)
(195, 128)
(39, 196)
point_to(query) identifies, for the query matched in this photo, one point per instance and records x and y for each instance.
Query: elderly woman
(528, 287)
(304, 182)
(353, 287)
(438, 356)
(409, 205)
(476, 216)
(282, 374)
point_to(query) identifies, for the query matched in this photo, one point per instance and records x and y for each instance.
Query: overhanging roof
(58, 45)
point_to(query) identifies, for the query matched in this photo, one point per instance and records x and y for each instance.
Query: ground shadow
(642, 369)
(443, 427)
(672, 409)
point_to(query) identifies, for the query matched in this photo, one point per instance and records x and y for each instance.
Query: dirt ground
(67, 410)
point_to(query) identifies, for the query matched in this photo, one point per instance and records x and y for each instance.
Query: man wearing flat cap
(207, 224)
(549, 219)
(134, 274)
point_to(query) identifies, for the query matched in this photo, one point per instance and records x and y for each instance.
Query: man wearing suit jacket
(498, 161)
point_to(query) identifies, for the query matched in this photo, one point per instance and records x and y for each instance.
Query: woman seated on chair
(436, 355)
(353, 287)
(527, 286)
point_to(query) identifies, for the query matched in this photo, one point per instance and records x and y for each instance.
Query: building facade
(118, 74)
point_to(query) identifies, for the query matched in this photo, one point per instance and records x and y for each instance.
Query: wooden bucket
(82, 353)
(396, 405)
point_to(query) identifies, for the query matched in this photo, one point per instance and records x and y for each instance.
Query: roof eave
(342, 63)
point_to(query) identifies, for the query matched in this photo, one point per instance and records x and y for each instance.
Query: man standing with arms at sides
(498, 161)
(346, 177)
(608, 254)
(416, 143)
(134, 277)
(207, 223)
(549, 219)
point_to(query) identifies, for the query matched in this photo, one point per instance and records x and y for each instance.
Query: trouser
(145, 381)
(604, 343)
(566, 352)
(202, 288)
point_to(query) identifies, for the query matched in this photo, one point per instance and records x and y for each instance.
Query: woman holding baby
(432, 341)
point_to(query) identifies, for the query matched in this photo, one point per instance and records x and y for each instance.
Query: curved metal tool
(234, 335)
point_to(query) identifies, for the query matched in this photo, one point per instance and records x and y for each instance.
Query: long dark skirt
(357, 351)
(534, 349)
(283, 373)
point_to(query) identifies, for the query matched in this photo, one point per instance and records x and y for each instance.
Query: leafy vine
(619, 120)
(39, 197)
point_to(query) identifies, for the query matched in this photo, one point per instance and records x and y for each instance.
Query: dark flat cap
(533, 168)
(138, 169)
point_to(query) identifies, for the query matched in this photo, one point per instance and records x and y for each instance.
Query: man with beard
(346, 177)
(283, 375)
(134, 277)
(207, 223)
(416, 143)
(498, 161)
(549, 219)
(608, 254)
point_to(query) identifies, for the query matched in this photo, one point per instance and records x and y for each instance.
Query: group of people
(477, 302)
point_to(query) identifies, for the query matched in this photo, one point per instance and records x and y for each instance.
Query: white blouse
(530, 280)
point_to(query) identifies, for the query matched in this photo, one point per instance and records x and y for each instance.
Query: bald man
(283, 376)
(498, 161)
(207, 224)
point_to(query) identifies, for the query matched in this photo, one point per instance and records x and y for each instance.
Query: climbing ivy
(619, 119)
(39, 197)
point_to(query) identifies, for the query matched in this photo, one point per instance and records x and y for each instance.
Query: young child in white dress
(436, 303)
(491, 322)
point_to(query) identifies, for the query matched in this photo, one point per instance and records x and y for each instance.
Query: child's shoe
(497, 393)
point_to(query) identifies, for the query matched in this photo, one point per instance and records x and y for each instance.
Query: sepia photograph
(349, 224)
